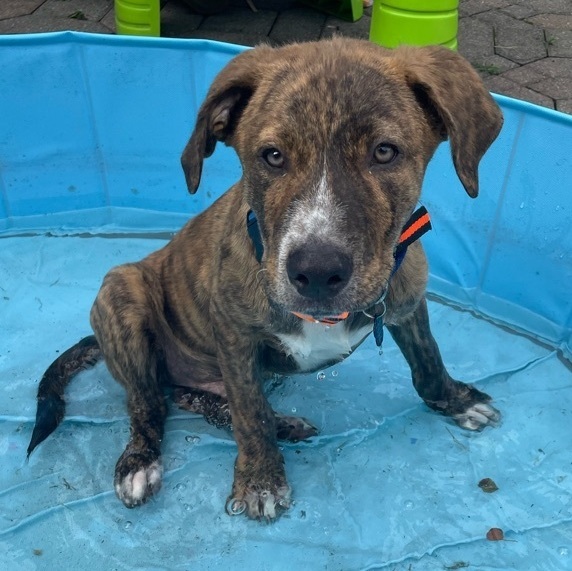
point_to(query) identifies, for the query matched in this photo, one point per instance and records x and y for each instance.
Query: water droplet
(563, 551)
(521, 205)
(293, 409)
(321, 376)
(408, 504)
(127, 525)
(334, 373)
(187, 507)
(193, 439)
(180, 487)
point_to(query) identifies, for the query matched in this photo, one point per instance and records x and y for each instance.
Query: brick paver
(521, 48)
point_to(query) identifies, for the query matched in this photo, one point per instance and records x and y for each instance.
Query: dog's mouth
(335, 310)
(324, 319)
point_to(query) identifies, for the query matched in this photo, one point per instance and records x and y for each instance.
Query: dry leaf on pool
(495, 534)
(488, 485)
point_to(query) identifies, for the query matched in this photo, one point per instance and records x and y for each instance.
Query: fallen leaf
(495, 534)
(488, 485)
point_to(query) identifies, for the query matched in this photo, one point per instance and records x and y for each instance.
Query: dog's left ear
(221, 110)
(452, 90)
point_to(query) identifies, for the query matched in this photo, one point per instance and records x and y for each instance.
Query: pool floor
(387, 484)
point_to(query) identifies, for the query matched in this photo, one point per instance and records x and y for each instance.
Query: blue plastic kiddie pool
(91, 130)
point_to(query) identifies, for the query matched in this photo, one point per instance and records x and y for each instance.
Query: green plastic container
(138, 17)
(415, 22)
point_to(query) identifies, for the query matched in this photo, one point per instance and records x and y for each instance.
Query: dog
(296, 264)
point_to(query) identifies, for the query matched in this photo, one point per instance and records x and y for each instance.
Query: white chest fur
(319, 344)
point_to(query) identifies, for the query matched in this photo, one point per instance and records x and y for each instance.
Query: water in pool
(388, 484)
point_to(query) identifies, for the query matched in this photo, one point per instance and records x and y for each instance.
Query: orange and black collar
(419, 223)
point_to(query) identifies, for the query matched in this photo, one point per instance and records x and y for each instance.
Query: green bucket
(415, 22)
(138, 17)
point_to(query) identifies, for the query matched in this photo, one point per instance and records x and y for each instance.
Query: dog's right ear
(219, 114)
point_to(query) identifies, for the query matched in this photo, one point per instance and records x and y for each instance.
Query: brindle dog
(334, 138)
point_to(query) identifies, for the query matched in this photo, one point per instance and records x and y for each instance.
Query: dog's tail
(51, 404)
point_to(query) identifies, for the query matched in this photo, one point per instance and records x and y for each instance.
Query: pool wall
(92, 128)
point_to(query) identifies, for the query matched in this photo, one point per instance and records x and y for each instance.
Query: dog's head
(334, 138)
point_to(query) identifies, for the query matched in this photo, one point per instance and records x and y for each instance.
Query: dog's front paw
(473, 410)
(137, 477)
(467, 406)
(259, 496)
(478, 416)
(266, 503)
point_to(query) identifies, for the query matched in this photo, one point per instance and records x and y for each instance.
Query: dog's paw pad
(478, 416)
(138, 486)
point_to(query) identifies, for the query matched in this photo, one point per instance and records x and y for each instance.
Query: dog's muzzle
(320, 270)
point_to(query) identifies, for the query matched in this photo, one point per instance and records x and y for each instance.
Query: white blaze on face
(315, 216)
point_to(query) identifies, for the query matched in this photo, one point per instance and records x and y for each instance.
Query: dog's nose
(318, 270)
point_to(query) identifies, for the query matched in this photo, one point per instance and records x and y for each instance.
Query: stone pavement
(522, 48)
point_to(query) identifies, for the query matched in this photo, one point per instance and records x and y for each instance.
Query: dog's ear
(452, 92)
(221, 110)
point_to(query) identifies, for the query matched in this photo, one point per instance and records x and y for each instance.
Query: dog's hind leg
(468, 406)
(294, 428)
(123, 319)
(216, 411)
(213, 407)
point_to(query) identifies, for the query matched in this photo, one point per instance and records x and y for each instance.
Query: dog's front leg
(122, 318)
(260, 487)
(468, 406)
(138, 471)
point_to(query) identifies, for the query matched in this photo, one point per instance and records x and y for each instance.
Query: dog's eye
(385, 153)
(273, 157)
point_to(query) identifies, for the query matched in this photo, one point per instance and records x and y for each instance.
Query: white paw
(478, 416)
(136, 488)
